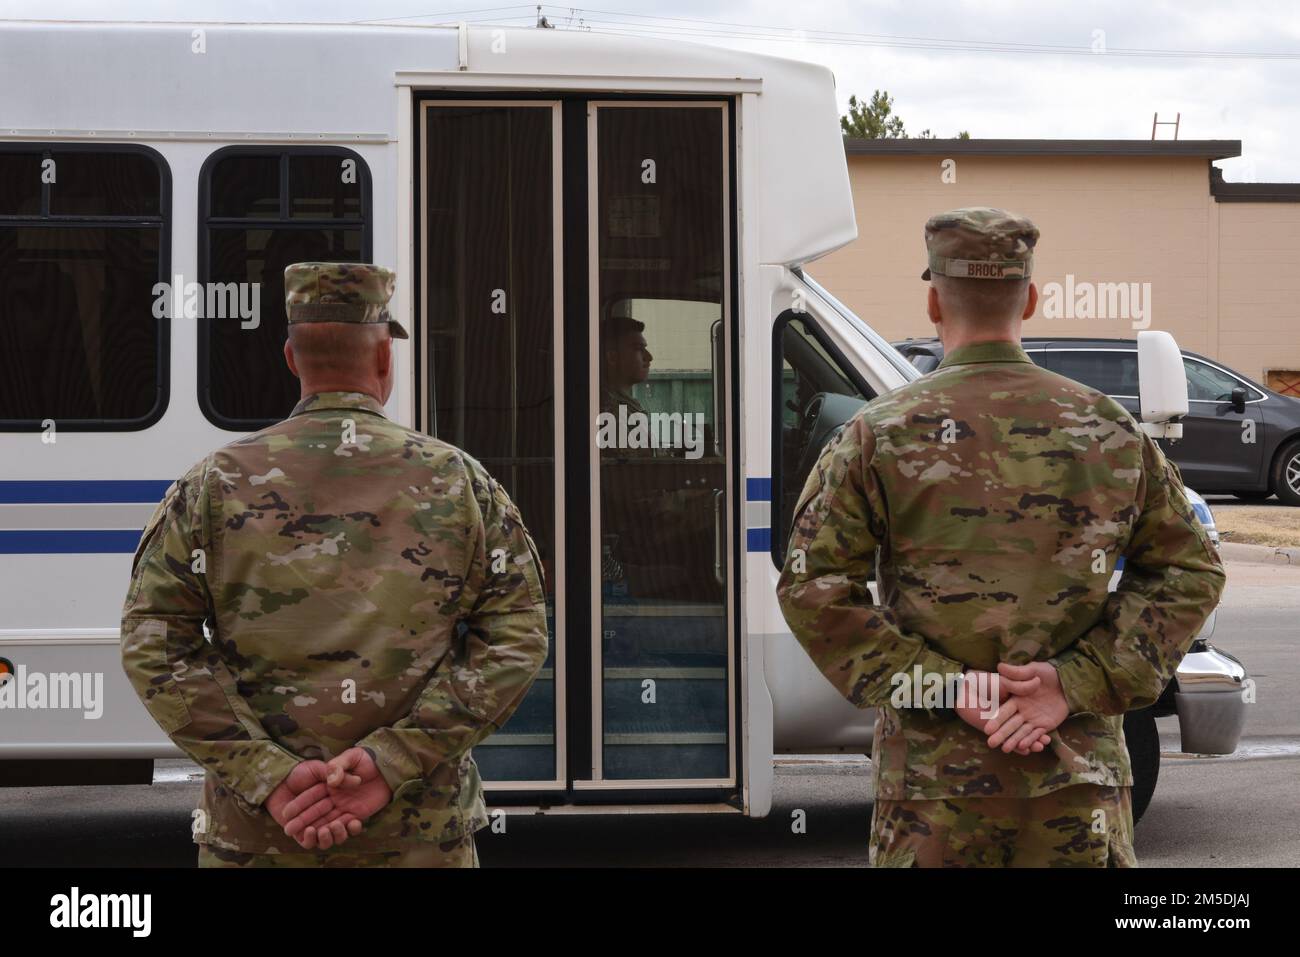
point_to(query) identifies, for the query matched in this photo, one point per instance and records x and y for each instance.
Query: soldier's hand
(349, 790)
(1036, 690)
(303, 798)
(335, 828)
(303, 776)
(979, 714)
(1011, 730)
(355, 784)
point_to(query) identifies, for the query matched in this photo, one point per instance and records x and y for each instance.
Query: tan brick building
(1213, 263)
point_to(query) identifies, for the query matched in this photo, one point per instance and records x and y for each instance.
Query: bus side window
(82, 245)
(814, 393)
(260, 210)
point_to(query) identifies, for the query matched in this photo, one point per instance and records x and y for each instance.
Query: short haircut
(616, 328)
(983, 301)
(335, 348)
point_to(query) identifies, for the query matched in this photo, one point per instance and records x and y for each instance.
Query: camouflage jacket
(1000, 497)
(363, 584)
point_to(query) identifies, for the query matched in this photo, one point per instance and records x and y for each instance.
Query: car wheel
(1143, 741)
(1254, 496)
(1286, 474)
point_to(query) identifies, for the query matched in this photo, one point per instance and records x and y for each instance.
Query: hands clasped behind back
(321, 804)
(1030, 706)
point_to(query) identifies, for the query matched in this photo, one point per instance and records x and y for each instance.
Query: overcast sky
(1232, 70)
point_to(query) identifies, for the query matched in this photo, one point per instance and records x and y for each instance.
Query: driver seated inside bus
(645, 515)
(625, 362)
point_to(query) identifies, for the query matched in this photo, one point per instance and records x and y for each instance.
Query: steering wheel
(814, 433)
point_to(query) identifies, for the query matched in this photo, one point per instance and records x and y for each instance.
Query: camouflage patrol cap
(979, 242)
(340, 292)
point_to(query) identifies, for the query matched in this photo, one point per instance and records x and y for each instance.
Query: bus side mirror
(1239, 400)
(1162, 385)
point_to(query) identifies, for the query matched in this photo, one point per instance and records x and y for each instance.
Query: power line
(678, 28)
(800, 33)
(449, 14)
(613, 29)
(718, 29)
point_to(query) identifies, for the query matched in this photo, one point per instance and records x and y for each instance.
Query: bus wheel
(1143, 742)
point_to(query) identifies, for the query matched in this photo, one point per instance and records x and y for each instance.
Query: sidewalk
(1236, 552)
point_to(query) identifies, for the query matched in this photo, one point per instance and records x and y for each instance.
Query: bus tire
(1143, 742)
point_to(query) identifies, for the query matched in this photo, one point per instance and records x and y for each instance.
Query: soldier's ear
(288, 358)
(385, 357)
(1031, 303)
(932, 306)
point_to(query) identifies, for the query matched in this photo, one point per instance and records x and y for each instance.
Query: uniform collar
(619, 394)
(356, 401)
(1000, 351)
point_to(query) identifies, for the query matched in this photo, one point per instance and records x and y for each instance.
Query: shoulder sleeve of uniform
(512, 575)
(181, 679)
(497, 652)
(1173, 578)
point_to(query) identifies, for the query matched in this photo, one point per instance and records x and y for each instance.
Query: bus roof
(236, 82)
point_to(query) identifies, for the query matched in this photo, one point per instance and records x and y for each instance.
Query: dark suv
(1219, 451)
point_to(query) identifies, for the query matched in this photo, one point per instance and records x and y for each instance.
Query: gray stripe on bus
(90, 516)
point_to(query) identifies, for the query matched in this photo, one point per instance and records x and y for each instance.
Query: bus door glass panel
(489, 337)
(660, 237)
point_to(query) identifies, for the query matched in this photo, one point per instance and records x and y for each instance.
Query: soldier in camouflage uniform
(373, 601)
(999, 497)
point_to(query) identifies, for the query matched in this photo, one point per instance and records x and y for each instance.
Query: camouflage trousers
(1084, 825)
(414, 854)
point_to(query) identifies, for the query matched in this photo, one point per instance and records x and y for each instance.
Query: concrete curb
(1259, 554)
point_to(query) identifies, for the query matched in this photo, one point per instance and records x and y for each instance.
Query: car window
(1109, 372)
(1208, 384)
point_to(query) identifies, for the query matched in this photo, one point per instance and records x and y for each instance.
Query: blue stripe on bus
(758, 489)
(69, 542)
(61, 493)
(105, 542)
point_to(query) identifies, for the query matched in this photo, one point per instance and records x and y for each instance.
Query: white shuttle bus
(546, 197)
